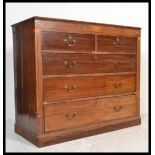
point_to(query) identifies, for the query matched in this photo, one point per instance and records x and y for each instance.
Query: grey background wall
(131, 14)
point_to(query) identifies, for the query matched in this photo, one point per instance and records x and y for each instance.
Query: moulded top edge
(73, 21)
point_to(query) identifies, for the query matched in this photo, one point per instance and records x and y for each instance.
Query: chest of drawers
(74, 79)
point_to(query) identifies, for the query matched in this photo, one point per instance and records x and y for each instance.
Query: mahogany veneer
(74, 79)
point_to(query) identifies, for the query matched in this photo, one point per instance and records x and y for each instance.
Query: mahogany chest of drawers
(74, 79)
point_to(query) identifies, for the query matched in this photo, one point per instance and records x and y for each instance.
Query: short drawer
(80, 113)
(116, 44)
(57, 88)
(67, 41)
(54, 63)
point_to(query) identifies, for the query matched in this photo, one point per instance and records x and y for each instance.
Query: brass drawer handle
(71, 115)
(117, 85)
(71, 89)
(118, 43)
(116, 63)
(118, 108)
(69, 41)
(69, 64)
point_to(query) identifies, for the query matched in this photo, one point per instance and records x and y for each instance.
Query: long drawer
(87, 63)
(76, 114)
(58, 88)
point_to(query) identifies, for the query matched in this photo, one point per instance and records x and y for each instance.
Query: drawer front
(54, 63)
(116, 44)
(87, 86)
(77, 114)
(119, 84)
(67, 41)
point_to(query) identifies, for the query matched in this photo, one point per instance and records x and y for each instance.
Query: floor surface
(133, 139)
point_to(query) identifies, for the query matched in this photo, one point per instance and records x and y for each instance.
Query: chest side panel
(25, 76)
